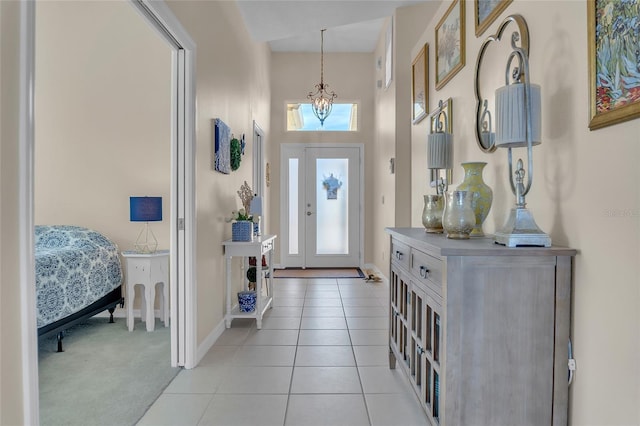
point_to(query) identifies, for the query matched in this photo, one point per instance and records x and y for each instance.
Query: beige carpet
(318, 273)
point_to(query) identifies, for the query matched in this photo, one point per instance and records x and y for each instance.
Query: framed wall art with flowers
(614, 61)
(450, 44)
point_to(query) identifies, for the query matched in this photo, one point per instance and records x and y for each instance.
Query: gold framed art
(450, 44)
(420, 85)
(614, 77)
(486, 11)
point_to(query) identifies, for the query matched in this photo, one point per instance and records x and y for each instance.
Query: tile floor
(321, 358)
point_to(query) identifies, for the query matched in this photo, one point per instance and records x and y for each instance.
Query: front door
(321, 206)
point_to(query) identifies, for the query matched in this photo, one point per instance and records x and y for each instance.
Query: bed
(78, 275)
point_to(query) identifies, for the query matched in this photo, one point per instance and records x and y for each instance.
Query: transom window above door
(343, 118)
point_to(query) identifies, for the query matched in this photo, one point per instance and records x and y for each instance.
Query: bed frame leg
(111, 310)
(60, 337)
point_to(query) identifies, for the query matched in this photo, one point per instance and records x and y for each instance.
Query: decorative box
(242, 230)
(247, 301)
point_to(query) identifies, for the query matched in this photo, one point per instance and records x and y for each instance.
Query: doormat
(318, 273)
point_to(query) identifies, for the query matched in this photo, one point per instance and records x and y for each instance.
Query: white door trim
(182, 266)
(28, 323)
(284, 193)
(160, 17)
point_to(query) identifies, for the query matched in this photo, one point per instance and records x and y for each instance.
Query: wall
(232, 81)
(103, 118)
(585, 193)
(351, 76)
(393, 195)
(12, 362)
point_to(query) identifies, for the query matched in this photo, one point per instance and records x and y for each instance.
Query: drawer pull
(419, 350)
(424, 272)
(399, 255)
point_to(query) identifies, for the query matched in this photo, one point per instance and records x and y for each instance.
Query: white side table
(148, 270)
(262, 245)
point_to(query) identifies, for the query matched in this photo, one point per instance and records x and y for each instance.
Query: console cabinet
(480, 329)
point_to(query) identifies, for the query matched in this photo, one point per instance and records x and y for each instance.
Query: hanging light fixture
(321, 99)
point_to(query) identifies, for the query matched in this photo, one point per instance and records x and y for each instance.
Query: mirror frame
(523, 31)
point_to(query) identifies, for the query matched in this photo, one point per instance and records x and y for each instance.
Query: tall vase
(432, 213)
(458, 219)
(481, 194)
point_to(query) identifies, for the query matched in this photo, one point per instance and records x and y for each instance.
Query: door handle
(309, 213)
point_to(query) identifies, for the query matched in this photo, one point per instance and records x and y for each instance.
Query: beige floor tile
(325, 356)
(368, 323)
(323, 323)
(369, 337)
(385, 410)
(276, 356)
(176, 409)
(382, 379)
(236, 410)
(325, 380)
(335, 410)
(324, 337)
(272, 337)
(256, 380)
(369, 356)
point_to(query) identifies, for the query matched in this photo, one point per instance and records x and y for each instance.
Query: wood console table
(260, 246)
(481, 329)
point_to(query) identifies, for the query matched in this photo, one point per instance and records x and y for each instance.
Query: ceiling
(294, 25)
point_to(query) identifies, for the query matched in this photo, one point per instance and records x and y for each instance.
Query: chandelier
(322, 99)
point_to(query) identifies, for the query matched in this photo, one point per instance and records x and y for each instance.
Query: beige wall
(232, 80)
(392, 199)
(585, 193)
(11, 359)
(103, 117)
(351, 76)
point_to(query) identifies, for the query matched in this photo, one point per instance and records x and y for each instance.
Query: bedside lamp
(518, 124)
(145, 209)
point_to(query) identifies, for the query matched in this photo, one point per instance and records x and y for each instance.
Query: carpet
(106, 374)
(318, 273)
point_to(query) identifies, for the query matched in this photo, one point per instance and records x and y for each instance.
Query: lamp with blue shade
(145, 209)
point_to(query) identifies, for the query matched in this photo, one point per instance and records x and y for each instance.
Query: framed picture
(419, 85)
(450, 44)
(614, 72)
(388, 55)
(486, 11)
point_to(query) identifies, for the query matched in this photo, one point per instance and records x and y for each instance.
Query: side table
(262, 245)
(148, 270)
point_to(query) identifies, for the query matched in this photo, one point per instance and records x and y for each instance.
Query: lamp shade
(145, 209)
(511, 115)
(439, 147)
(255, 208)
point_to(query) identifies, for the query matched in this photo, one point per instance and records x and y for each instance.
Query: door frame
(284, 193)
(183, 338)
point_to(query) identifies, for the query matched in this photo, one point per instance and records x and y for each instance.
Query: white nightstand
(148, 270)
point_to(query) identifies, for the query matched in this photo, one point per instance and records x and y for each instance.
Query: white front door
(321, 206)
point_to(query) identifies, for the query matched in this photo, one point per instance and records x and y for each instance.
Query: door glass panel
(293, 206)
(332, 213)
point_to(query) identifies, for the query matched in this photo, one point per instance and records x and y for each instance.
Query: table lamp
(518, 124)
(145, 209)
(255, 210)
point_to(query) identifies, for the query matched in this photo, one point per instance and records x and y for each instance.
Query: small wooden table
(260, 246)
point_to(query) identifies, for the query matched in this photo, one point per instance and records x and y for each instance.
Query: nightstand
(148, 270)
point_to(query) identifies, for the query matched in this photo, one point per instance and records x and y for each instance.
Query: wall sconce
(145, 209)
(518, 124)
(440, 147)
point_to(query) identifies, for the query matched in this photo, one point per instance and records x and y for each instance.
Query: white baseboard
(208, 342)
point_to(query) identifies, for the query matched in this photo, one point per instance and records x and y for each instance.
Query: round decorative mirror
(486, 83)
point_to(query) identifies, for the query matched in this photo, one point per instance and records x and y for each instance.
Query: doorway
(183, 312)
(322, 218)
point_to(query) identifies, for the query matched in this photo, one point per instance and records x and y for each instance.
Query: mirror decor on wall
(485, 85)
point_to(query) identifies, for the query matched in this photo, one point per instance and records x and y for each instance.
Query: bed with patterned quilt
(78, 275)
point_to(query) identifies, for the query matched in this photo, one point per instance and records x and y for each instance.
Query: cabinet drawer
(427, 270)
(400, 254)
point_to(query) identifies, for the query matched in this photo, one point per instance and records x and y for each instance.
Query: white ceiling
(294, 25)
